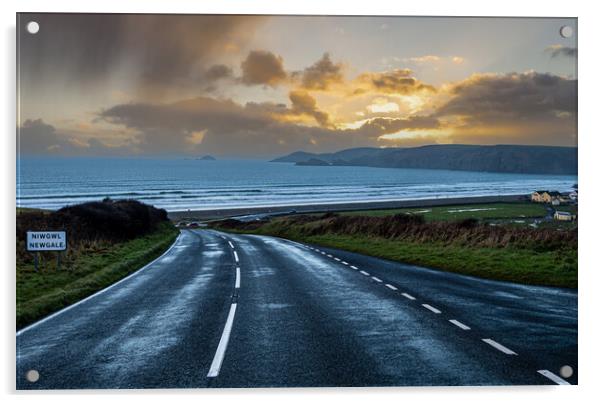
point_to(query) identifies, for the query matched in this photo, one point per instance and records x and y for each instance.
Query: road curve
(223, 310)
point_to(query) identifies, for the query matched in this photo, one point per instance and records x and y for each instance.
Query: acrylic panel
(225, 201)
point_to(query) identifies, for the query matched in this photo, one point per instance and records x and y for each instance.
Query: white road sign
(46, 240)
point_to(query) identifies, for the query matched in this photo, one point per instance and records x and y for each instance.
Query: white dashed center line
(391, 287)
(431, 308)
(345, 263)
(377, 279)
(365, 273)
(230, 243)
(237, 282)
(553, 377)
(500, 347)
(337, 259)
(216, 365)
(329, 255)
(236, 256)
(353, 267)
(408, 296)
(459, 324)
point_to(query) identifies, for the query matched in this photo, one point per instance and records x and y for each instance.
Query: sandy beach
(203, 215)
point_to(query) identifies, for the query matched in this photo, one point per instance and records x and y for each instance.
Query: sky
(265, 86)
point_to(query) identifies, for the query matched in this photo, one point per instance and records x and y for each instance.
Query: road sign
(38, 241)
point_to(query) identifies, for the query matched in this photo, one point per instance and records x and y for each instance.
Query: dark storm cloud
(160, 49)
(39, 138)
(263, 68)
(321, 75)
(560, 50)
(257, 129)
(512, 98)
(398, 81)
(218, 72)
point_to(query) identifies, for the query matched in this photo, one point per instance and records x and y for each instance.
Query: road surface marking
(323, 253)
(236, 256)
(329, 255)
(391, 287)
(500, 347)
(230, 243)
(377, 279)
(459, 324)
(223, 345)
(337, 259)
(553, 377)
(431, 308)
(353, 267)
(237, 283)
(345, 263)
(33, 325)
(365, 273)
(408, 296)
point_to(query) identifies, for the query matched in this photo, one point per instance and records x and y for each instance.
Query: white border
(590, 146)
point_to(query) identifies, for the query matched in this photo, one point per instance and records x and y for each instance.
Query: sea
(179, 184)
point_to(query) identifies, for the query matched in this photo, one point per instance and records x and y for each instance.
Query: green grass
(83, 273)
(556, 268)
(478, 211)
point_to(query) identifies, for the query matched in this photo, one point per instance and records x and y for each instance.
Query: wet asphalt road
(223, 310)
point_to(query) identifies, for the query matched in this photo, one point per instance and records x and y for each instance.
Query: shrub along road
(223, 310)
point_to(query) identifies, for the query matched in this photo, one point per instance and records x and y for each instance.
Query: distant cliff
(498, 158)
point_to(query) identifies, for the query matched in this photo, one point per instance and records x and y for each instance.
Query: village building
(564, 216)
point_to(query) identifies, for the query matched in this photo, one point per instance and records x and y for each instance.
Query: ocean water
(182, 184)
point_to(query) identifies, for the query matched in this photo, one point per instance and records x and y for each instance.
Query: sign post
(40, 241)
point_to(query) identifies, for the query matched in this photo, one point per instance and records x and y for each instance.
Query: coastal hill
(496, 158)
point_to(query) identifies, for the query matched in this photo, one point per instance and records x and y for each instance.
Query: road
(224, 310)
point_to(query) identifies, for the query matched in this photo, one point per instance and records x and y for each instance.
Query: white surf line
(431, 308)
(353, 267)
(230, 243)
(236, 256)
(377, 279)
(237, 282)
(216, 365)
(365, 273)
(408, 296)
(459, 324)
(553, 377)
(498, 346)
(392, 287)
(47, 318)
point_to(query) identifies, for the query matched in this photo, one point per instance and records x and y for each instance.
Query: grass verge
(514, 262)
(100, 265)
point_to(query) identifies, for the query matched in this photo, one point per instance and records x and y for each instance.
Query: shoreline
(216, 214)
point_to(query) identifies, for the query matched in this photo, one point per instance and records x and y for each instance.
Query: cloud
(561, 50)
(218, 72)
(263, 68)
(150, 50)
(397, 81)
(35, 137)
(321, 75)
(303, 103)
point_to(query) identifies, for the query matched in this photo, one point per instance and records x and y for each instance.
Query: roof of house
(554, 193)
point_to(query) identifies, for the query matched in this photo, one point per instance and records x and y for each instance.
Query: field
(478, 211)
(490, 241)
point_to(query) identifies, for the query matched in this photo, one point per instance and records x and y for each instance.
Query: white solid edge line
(459, 324)
(230, 243)
(391, 287)
(498, 346)
(431, 308)
(25, 329)
(236, 256)
(216, 365)
(237, 282)
(365, 273)
(408, 296)
(377, 279)
(553, 377)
